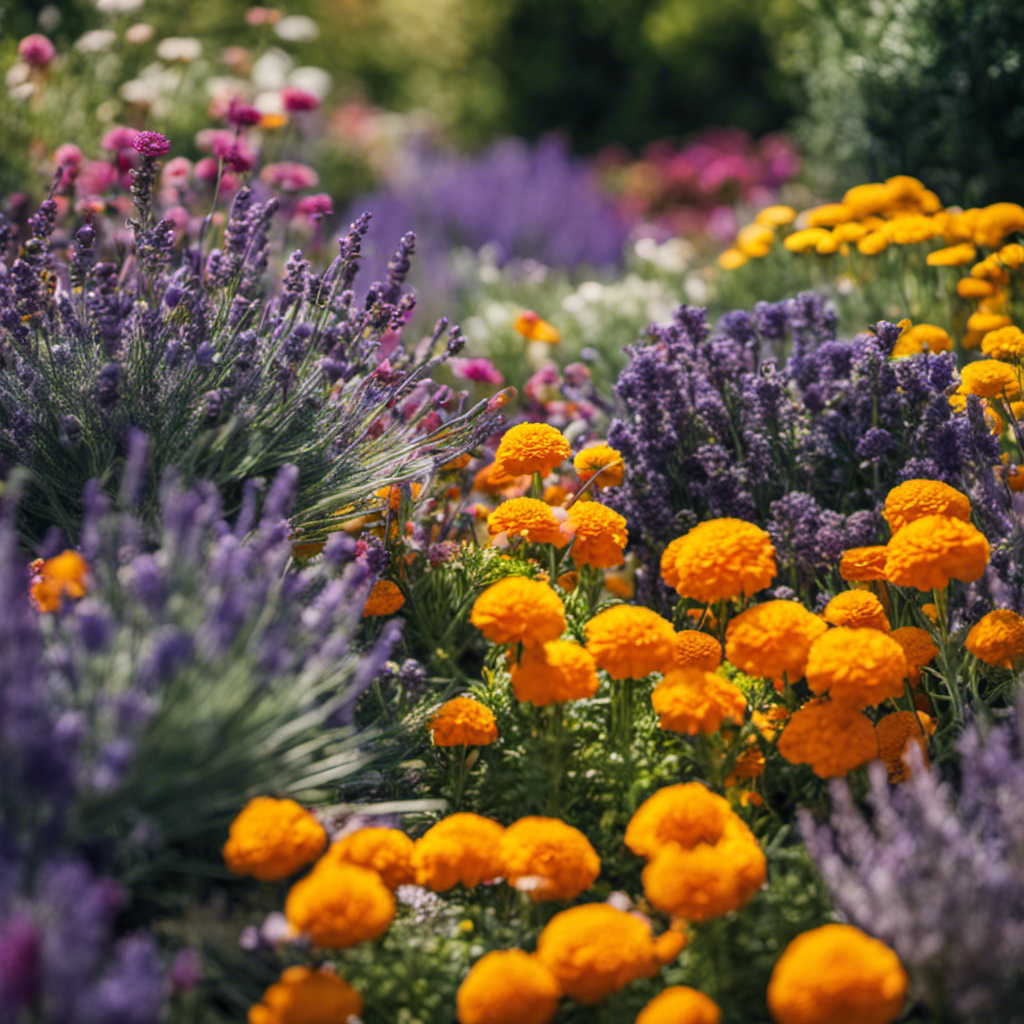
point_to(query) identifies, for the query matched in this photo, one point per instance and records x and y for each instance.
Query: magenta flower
(482, 371)
(118, 139)
(289, 176)
(151, 144)
(36, 50)
(241, 114)
(176, 171)
(316, 207)
(298, 101)
(67, 155)
(235, 154)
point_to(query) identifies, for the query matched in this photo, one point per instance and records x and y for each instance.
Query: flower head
(685, 814)
(554, 672)
(531, 448)
(832, 738)
(630, 642)
(460, 848)
(930, 552)
(599, 534)
(303, 995)
(1005, 344)
(895, 733)
(914, 499)
(837, 975)
(517, 609)
(547, 857)
(680, 1005)
(533, 328)
(690, 701)
(463, 721)
(990, 378)
(772, 639)
(997, 638)
(861, 565)
(384, 599)
(298, 101)
(36, 50)
(857, 609)
(603, 460)
(529, 518)
(918, 646)
(151, 144)
(507, 987)
(339, 905)
(721, 559)
(856, 667)
(387, 851)
(271, 839)
(64, 576)
(695, 649)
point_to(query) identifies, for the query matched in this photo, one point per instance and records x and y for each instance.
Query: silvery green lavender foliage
(773, 419)
(199, 671)
(228, 383)
(938, 874)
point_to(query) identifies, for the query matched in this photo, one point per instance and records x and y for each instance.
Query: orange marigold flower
(491, 479)
(997, 638)
(531, 448)
(630, 642)
(832, 738)
(598, 533)
(690, 701)
(554, 672)
(952, 255)
(548, 859)
(828, 215)
(695, 649)
(622, 585)
(772, 639)
(393, 495)
(861, 565)
(895, 733)
(339, 905)
(776, 216)
(922, 338)
(707, 881)
(685, 814)
(568, 581)
(722, 559)
(732, 259)
(805, 240)
(929, 552)
(64, 576)
(384, 599)
(526, 517)
(460, 848)
(1005, 344)
(533, 328)
(680, 1005)
(974, 288)
(837, 975)
(856, 667)
(594, 950)
(996, 221)
(387, 851)
(507, 987)
(916, 498)
(463, 721)
(858, 609)
(554, 494)
(517, 609)
(303, 995)
(603, 460)
(990, 378)
(918, 646)
(271, 839)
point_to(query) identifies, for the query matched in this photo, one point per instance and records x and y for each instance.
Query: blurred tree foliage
(924, 87)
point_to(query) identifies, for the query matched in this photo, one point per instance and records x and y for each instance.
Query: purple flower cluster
(938, 874)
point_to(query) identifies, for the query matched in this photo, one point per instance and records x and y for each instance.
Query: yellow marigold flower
(918, 647)
(393, 495)
(680, 1005)
(598, 534)
(832, 738)
(860, 565)
(695, 649)
(554, 494)
(526, 517)
(603, 460)
(706, 881)
(271, 839)
(990, 378)
(568, 581)
(531, 448)
(755, 240)
(721, 559)
(776, 216)
(856, 667)
(387, 851)
(909, 229)
(339, 905)
(1006, 343)
(64, 576)
(873, 243)
(931, 612)
(974, 288)
(895, 733)
(851, 231)
(548, 859)
(990, 269)
(594, 950)
(867, 199)
(463, 721)
(952, 255)
(929, 552)
(303, 995)
(921, 338)
(517, 609)
(492, 479)
(1011, 255)
(460, 848)
(507, 987)
(829, 245)
(384, 599)
(685, 814)
(984, 322)
(858, 609)
(533, 328)
(690, 701)
(996, 222)
(914, 499)
(805, 240)
(772, 639)
(837, 975)
(630, 642)
(554, 672)
(829, 215)
(732, 259)
(997, 638)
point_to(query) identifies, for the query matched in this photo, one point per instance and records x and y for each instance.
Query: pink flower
(316, 207)
(207, 169)
(297, 101)
(119, 138)
(241, 114)
(289, 176)
(151, 144)
(96, 178)
(483, 371)
(67, 155)
(235, 154)
(176, 171)
(36, 50)
(209, 138)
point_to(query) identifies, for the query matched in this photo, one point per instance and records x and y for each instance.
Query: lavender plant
(227, 382)
(937, 872)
